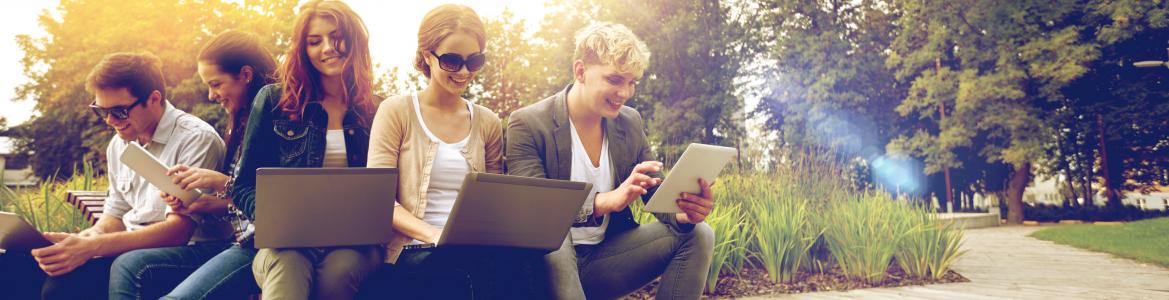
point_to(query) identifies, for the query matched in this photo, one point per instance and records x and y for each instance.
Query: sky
(393, 28)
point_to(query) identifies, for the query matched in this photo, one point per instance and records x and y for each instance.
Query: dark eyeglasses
(119, 112)
(451, 62)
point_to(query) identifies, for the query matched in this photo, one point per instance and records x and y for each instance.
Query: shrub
(863, 233)
(930, 246)
(44, 206)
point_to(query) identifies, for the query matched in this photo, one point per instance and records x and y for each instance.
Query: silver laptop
(512, 211)
(16, 235)
(322, 207)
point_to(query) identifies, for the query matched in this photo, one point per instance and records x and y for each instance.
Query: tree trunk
(1089, 197)
(1016, 185)
(1111, 188)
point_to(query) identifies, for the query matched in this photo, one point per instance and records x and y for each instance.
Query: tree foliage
(81, 32)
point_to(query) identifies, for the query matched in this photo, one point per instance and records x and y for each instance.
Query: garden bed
(755, 282)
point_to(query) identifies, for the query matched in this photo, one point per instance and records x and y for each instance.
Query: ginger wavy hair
(300, 82)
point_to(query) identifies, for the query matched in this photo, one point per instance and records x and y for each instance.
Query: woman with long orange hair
(317, 115)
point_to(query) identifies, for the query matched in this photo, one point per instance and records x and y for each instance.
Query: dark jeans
(623, 263)
(458, 273)
(21, 278)
(152, 273)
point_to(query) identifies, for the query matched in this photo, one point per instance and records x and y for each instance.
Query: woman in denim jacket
(318, 115)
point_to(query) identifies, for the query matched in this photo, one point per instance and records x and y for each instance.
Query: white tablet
(154, 171)
(699, 161)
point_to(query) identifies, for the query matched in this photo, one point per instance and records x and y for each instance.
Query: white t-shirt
(447, 172)
(335, 149)
(600, 176)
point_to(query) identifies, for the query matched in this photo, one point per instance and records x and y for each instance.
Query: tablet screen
(699, 161)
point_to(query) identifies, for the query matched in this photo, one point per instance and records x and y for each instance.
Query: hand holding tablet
(699, 161)
(154, 171)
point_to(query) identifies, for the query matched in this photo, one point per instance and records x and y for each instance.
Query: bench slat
(89, 203)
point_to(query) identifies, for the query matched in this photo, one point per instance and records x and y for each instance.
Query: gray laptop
(16, 235)
(512, 211)
(322, 207)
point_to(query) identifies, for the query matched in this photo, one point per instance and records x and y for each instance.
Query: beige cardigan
(396, 140)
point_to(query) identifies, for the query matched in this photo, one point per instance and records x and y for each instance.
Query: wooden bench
(89, 203)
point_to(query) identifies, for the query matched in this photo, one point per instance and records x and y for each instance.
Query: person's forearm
(215, 206)
(105, 224)
(174, 231)
(413, 227)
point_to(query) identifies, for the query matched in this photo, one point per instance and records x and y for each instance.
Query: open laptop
(16, 235)
(513, 211)
(322, 207)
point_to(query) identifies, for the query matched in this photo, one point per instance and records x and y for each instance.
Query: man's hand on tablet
(636, 185)
(695, 208)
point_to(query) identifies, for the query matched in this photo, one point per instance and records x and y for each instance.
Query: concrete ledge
(972, 220)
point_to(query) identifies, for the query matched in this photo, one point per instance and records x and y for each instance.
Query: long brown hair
(300, 82)
(232, 50)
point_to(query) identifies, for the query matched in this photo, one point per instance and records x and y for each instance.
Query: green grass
(1144, 241)
(44, 206)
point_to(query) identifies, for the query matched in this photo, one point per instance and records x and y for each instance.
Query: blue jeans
(150, 273)
(228, 275)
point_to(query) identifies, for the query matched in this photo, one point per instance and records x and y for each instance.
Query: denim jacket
(273, 140)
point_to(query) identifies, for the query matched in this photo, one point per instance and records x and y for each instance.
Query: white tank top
(446, 174)
(335, 149)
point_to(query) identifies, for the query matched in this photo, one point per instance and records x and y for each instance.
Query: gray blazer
(539, 144)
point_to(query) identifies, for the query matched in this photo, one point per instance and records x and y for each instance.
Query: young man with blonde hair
(585, 133)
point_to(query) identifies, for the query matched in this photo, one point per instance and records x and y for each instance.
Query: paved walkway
(1004, 263)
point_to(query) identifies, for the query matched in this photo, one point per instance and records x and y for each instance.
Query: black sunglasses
(451, 62)
(120, 112)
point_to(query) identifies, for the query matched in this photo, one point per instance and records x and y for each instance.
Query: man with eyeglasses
(129, 92)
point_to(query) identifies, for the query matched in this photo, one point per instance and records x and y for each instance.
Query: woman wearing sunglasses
(234, 66)
(317, 115)
(434, 138)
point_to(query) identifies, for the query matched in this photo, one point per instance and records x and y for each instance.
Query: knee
(271, 261)
(338, 283)
(702, 238)
(267, 259)
(130, 265)
(348, 267)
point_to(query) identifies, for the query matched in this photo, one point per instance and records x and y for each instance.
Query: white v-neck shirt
(335, 149)
(601, 176)
(447, 172)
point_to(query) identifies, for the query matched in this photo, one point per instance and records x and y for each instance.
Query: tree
(1115, 116)
(510, 80)
(80, 33)
(994, 65)
(689, 92)
(556, 43)
(828, 87)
